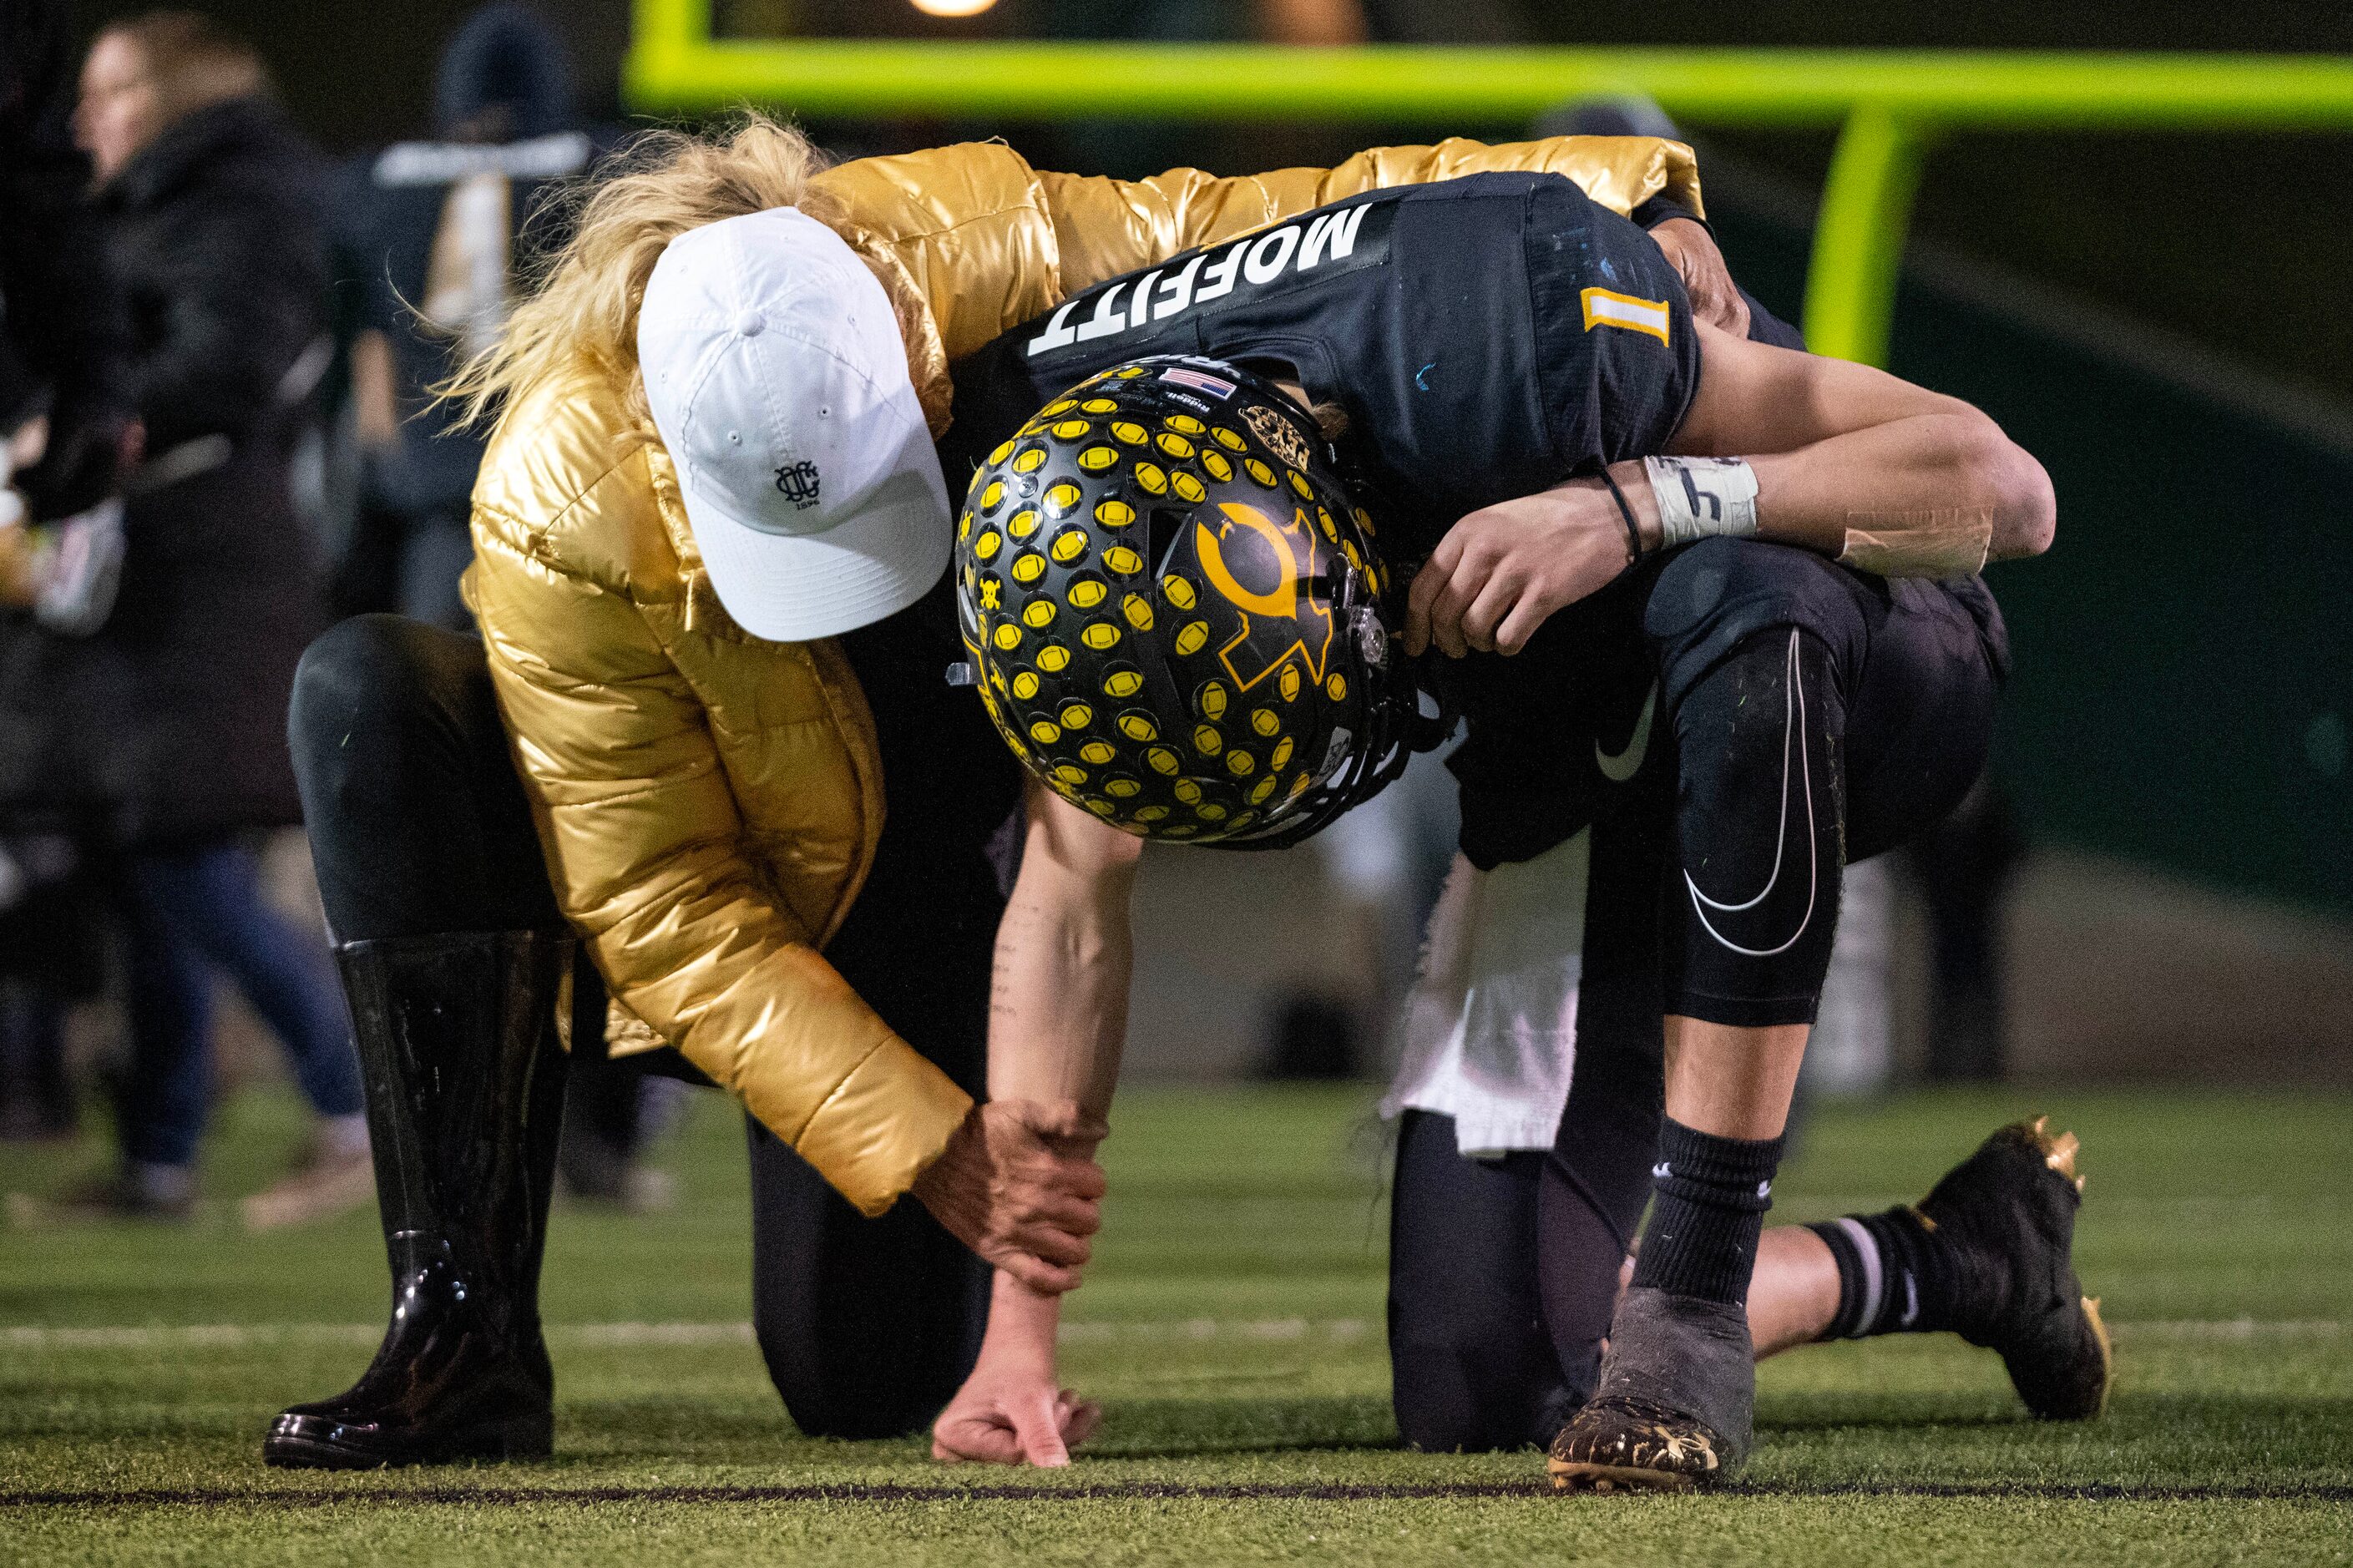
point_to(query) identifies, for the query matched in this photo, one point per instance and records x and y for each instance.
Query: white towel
(1490, 1027)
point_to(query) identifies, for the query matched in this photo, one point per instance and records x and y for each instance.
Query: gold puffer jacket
(709, 802)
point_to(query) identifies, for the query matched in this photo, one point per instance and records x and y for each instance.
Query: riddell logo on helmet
(798, 483)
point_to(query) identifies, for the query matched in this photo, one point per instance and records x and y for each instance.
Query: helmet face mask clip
(1173, 609)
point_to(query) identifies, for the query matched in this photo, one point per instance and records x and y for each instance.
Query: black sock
(1894, 1276)
(1712, 1194)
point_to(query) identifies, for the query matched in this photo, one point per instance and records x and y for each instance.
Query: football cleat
(1672, 1409)
(2005, 1217)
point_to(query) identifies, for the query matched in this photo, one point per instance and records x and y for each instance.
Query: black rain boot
(465, 1096)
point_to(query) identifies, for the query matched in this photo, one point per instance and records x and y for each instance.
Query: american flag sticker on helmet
(1604, 309)
(1199, 381)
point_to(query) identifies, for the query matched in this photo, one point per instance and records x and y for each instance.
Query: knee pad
(1759, 816)
(367, 671)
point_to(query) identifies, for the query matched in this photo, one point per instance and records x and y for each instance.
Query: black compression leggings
(418, 826)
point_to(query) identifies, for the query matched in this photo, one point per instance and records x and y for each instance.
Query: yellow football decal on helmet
(1061, 498)
(1099, 635)
(1003, 450)
(1265, 720)
(1281, 758)
(1099, 805)
(1121, 788)
(1365, 520)
(1007, 636)
(1231, 440)
(1044, 732)
(1029, 461)
(1210, 701)
(1070, 774)
(1187, 791)
(1060, 406)
(989, 545)
(1096, 459)
(1119, 558)
(1299, 482)
(1214, 464)
(1023, 525)
(1138, 610)
(1186, 487)
(1098, 752)
(1210, 811)
(1152, 478)
(1138, 725)
(1069, 544)
(1239, 763)
(1122, 682)
(1150, 812)
(1179, 591)
(994, 496)
(1163, 761)
(1192, 637)
(1336, 686)
(964, 526)
(1114, 515)
(1258, 471)
(1070, 429)
(1206, 741)
(1038, 615)
(1174, 446)
(1097, 405)
(1185, 423)
(1025, 685)
(1086, 593)
(1129, 432)
(1287, 683)
(1077, 715)
(1027, 567)
(1264, 788)
(1053, 657)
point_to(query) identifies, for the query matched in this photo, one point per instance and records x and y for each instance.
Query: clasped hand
(1018, 1184)
(1502, 571)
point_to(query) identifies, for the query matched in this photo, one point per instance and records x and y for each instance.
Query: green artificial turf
(1232, 1330)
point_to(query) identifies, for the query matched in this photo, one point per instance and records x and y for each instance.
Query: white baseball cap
(778, 381)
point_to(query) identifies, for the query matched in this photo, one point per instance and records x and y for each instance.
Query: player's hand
(1708, 281)
(1501, 571)
(1005, 1417)
(1017, 1183)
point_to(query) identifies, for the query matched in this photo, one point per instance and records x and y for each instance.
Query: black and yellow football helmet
(1173, 609)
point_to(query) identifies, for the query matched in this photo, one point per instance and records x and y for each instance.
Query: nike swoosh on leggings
(1792, 735)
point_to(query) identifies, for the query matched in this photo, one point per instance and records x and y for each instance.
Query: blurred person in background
(205, 201)
(439, 236)
(63, 427)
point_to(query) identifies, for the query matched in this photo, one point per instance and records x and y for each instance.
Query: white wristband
(1700, 497)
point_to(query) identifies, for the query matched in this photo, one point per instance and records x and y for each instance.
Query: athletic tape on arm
(1945, 542)
(1703, 498)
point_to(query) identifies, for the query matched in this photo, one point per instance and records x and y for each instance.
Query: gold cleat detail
(2108, 1352)
(2059, 1153)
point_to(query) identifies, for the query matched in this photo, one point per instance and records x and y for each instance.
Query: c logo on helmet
(1281, 602)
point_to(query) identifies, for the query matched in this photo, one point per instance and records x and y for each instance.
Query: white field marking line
(1339, 1330)
(245, 1336)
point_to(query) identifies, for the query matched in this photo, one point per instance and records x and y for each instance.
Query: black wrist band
(1626, 511)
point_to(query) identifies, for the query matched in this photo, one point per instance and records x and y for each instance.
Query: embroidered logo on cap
(799, 484)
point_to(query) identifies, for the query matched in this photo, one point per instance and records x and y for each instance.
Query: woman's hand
(1017, 1183)
(1012, 1409)
(1502, 571)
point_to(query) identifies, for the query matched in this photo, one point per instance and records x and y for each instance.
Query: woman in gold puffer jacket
(701, 809)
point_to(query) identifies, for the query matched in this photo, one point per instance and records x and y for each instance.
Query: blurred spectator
(206, 203)
(441, 232)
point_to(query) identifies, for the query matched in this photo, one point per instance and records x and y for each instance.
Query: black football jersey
(1488, 337)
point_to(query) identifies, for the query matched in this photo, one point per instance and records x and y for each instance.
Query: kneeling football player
(1696, 685)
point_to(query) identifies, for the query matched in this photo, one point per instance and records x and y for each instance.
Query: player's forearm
(1058, 1003)
(1924, 494)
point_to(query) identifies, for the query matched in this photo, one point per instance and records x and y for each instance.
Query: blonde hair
(580, 310)
(192, 61)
